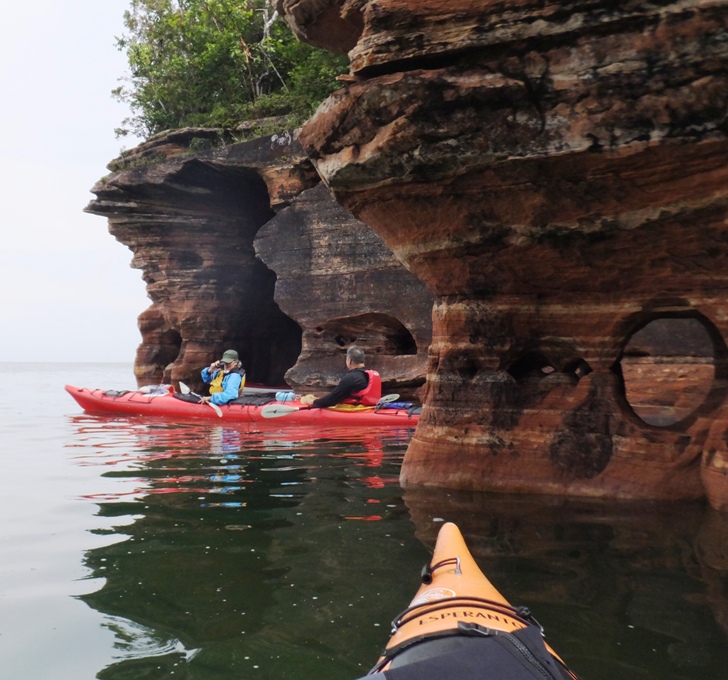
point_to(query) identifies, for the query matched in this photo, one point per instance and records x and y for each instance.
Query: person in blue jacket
(225, 377)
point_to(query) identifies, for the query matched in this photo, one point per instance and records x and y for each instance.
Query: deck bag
(192, 398)
(116, 393)
(253, 400)
(477, 654)
(157, 390)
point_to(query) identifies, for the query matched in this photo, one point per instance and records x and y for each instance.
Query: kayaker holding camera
(226, 378)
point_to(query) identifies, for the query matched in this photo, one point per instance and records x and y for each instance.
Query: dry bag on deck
(477, 654)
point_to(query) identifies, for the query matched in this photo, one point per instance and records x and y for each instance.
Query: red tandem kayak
(459, 626)
(289, 412)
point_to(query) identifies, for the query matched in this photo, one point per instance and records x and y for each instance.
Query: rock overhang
(552, 171)
(195, 206)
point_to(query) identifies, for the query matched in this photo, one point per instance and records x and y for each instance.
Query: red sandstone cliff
(555, 173)
(190, 205)
(343, 287)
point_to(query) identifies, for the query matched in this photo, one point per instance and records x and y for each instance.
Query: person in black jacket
(353, 386)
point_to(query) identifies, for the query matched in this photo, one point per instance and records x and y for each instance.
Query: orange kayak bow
(459, 626)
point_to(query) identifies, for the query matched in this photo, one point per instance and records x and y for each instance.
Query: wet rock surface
(555, 174)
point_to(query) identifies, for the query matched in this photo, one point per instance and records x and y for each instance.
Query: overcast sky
(67, 290)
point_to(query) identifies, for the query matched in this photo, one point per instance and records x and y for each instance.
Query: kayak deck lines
(459, 625)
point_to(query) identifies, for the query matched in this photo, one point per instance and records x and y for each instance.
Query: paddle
(186, 390)
(279, 410)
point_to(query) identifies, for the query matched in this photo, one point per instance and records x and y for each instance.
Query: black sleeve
(352, 382)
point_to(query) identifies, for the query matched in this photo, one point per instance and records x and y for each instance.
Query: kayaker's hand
(308, 399)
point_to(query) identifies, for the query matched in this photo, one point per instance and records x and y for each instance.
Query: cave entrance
(272, 345)
(170, 344)
(669, 368)
(268, 341)
(376, 333)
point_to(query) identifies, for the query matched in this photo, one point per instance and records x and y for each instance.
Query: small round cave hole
(668, 367)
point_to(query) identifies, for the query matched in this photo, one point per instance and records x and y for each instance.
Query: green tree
(216, 63)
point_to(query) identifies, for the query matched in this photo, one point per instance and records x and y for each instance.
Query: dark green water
(254, 556)
(147, 550)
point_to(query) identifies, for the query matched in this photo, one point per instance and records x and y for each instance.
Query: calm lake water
(140, 548)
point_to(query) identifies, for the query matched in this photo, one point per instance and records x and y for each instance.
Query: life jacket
(217, 380)
(371, 394)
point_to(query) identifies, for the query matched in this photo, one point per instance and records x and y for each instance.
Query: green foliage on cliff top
(215, 63)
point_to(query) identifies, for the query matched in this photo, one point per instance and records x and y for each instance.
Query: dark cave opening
(376, 333)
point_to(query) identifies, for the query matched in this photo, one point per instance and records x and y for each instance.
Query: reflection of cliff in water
(612, 582)
(183, 580)
(228, 555)
(277, 555)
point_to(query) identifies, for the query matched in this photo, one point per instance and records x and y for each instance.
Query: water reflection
(242, 555)
(285, 554)
(623, 589)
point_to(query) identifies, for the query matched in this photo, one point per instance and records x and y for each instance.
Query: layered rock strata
(189, 205)
(340, 282)
(556, 174)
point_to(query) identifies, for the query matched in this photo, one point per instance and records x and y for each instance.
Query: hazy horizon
(68, 292)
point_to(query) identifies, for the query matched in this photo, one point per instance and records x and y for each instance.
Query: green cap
(229, 356)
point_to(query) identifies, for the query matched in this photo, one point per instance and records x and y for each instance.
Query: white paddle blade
(388, 398)
(186, 390)
(277, 410)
